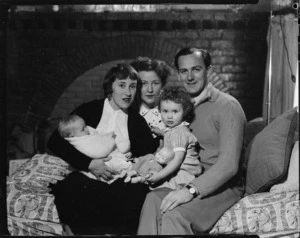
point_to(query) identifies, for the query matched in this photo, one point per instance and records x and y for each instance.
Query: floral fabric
(264, 214)
(30, 207)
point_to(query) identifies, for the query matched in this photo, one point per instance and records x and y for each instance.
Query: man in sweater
(219, 127)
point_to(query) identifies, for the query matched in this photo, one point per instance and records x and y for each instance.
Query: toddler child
(177, 112)
(95, 145)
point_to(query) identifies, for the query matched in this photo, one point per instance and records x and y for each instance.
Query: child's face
(171, 113)
(79, 129)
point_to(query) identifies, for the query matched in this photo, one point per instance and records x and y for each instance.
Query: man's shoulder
(229, 105)
(225, 99)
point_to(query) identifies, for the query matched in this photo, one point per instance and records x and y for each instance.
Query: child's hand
(157, 131)
(133, 177)
(129, 175)
(154, 178)
(128, 155)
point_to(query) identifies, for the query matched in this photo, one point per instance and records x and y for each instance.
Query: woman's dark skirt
(92, 207)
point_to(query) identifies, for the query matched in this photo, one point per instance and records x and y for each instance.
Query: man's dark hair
(191, 50)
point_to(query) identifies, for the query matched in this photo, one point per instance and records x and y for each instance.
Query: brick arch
(67, 68)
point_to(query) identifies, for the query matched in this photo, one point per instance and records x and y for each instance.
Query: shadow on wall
(26, 142)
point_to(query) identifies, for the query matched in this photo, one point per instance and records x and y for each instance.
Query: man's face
(193, 73)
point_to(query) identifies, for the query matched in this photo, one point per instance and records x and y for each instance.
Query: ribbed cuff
(201, 189)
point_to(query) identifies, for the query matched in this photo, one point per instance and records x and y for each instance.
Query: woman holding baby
(90, 206)
(84, 201)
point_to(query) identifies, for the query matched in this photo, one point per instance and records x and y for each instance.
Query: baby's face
(79, 129)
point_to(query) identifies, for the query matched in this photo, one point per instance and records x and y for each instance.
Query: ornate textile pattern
(30, 207)
(261, 214)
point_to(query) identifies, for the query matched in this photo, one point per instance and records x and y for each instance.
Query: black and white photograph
(149, 118)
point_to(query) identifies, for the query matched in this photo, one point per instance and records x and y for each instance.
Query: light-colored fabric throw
(30, 206)
(292, 181)
(264, 214)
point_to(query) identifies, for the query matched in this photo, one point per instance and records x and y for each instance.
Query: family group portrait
(150, 119)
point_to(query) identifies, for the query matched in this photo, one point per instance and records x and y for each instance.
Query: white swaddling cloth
(94, 145)
(99, 146)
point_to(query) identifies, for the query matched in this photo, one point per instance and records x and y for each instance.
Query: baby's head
(72, 126)
(164, 155)
(175, 106)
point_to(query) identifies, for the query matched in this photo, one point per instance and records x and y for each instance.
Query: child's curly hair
(179, 95)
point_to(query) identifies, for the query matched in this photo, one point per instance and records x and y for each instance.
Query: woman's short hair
(179, 95)
(191, 50)
(162, 70)
(120, 71)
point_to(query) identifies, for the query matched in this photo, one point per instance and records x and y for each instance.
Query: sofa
(270, 207)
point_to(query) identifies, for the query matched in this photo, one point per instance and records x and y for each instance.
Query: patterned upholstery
(31, 209)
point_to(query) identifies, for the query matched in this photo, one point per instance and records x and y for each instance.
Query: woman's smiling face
(151, 86)
(123, 93)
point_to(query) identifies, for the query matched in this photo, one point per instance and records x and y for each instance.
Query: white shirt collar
(203, 95)
(109, 109)
(144, 110)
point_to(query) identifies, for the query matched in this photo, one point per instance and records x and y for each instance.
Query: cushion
(292, 181)
(30, 207)
(268, 154)
(262, 214)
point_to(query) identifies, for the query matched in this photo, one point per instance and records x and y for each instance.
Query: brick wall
(54, 60)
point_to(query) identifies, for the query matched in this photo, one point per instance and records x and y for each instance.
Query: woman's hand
(174, 199)
(100, 169)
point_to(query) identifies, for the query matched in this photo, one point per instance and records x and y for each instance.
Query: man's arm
(231, 121)
(231, 139)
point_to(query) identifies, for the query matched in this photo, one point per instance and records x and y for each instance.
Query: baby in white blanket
(90, 142)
